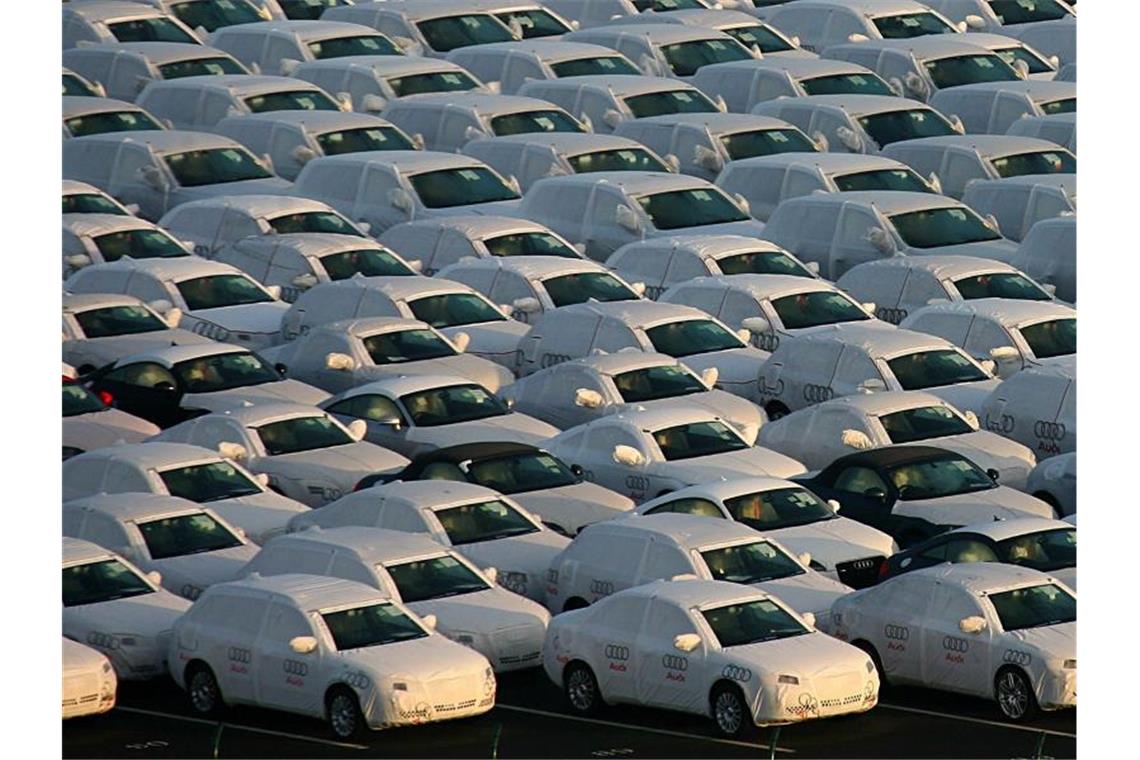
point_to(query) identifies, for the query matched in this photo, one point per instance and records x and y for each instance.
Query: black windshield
(370, 626)
(212, 481)
(1027, 11)
(220, 372)
(460, 187)
(126, 319)
(1040, 162)
(213, 14)
(751, 622)
(197, 67)
(181, 535)
(568, 289)
(445, 34)
(1034, 607)
(606, 64)
(904, 180)
(757, 562)
(820, 307)
(364, 138)
(892, 126)
(651, 383)
(905, 25)
(435, 81)
(935, 478)
(761, 262)
(534, 22)
(220, 290)
(1000, 285)
(103, 581)
(923, 422)
(368, 262)
(454, 309)
(1055, 337)
(211, 167)
(778, 508)
(301, 434)
(452, 404)
(691, 336)
(667, 102)
(697, 439)
(483, 521)
(930, 369)
(935, 227)
(969, 69)
(760, 36)
(434, 578)
(155, 29)
(138, 244)
(846, 84)
(79, 400)
(110, 121)
(313, 221)
(685, 58)
(291, 100)
(519, 473)
(360, 44)
(678, 209)
(406, 346)
(529, 244)
(766, 142)
(619, 160)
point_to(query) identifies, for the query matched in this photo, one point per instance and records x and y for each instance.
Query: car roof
(1040, 91)
(1062, 366)
(371, 545)
(718, 123)
(729, 489)
(858, 104)
(1007, 311)
(393, 286)
(135, 507)
(153, 454)
(892, 456)
(657, 34)
(76, 551)
(483, 103)
(713, 18)
(171, 355)
(75, 187)
(76, 302)
(622, 85)
(928, 46)
(315, 121)
(634, 183)
(400, 385)
(986, 145)
(687, 593)
(238, 85)
(429, 494)
(563, 143)
(887, 201)
(421, 9)
(308, 592)
(466, 451)
(991, 41)
(476, 227)
(112, 10)
(174, 269)
(1000, 530)
(80, 105)
(712, 246)
(875, 338)
(829, 163)
(622, 361)
(93, 225)
(764, 286)
(163, 141)
(306, 243)
(264, 412)
(305, 29)
(1066, 181)
(943, 266)
(549, 50)
(688, 531)
(530, 267)
(158, 53)
(639, 313)
(384, 65)
(798, 68)
(658, 417)
(270, 206)
(870, 7)
(883, 402)
(363, 327)
(407, 161)
(983, 577)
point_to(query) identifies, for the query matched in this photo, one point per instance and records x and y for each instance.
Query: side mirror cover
(430, 621)
(972, 624)
(154, 577)
(588, 398)
(834, 504)
(809, 619)
(686, 642)
(628, 455)
(275, 291)
(491, 574)
(709, 376)
(232, 450)
(461, 340)
(358, 429)
(756, 325)
(336, 361)
(303, 644)
(856, 439)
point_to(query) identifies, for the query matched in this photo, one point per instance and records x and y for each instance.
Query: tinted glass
(534, 23)
(149, 30)
(199, 67)
(892, 126)
(444, 34)
(691, 336)
(301, 434)
(368, 262)
(222, 372)
(934, 478)
(1042, 162)
(79, 400)
(454, 309)
(212, 14)
(906, 25)
(750, 563)
(1000, 285)
(362, 44)
(1057, 337)
(118, 320)
(821, 307)
(406, 346)
(652, 383)
(622, 160)
(295, 100)
(307, 9)
(751, 622)
(529, 244)
(436, 81)
(766, 142)
(186, 534)
(923, 422)
(365, 138)
(685, 58)
(313, 221)
(882, 179)
(760, 36)
(779, 508)
(931, 228)
(110, 121)
(452, 405)
(211, 167)
(138, 244)
(761, 262)
(1036, 64)
(519, 473)
(483, 521)
(930, 369)
(697, 439)
(460, 187)
(670, 101)
(579, 288)
(1067, 105)
(434, 578)
(606, 64)
(1034, 607)
(102, 581)
(678, 209)
(73, 85)
(370, 626)
(1045, 551)
(846, 84)
(208, 482)
(534, 121)
(969, 69)
(1027, 11)
(220, 290)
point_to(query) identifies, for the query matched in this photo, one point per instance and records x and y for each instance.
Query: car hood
(263, 318)
(745, 416)
(345, 464)
(990, 450)
(499, 338)
(262, 516)
(100, 351)
(147, 614)
(106, 428)
(736, 366)
(1054, 641)
(731, 464)
(812, 655)
(969, 397)
(482, 611)
(1002, 250)
(203, 570)
(981, 506)
(830, 542)
(491, 376)
(747, 228)
(807, 592)
(425, 659)
(516, 428)
(575, 506)
(289, 391)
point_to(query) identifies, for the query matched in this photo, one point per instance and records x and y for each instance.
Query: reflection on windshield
(1034, 607)
(435, 81)
(1045, 551)
(110, 121)
(969, 69)
(751, 622)
(127, 319)
(454, 309)
(220, 372)
(370, 626)
(301, 434)
(365, 138)
(434, 578)
(406, 346)
(778, 508)
(581, 287)
(452, 405)
(761, 262)
(846, 84)
(529, 244)
(102, 581)
(923, 422)
(196, 67)
(620, 160)
(671, 101)
(313, 221)
(892, 126)
(186, 534)
(766, 142)
(820, 307)
(519, 473)
(691, 336)
(757, 562)
(690, 208)
(212, 481)
(684, 58)
(1056, 337)
(460, 187)
(581, 67)
(651, 383)
(138, 244)
(220, 290)
(483, 521)
(935, 478)
(369, 262)
(930, 369)
(697, 439)
(1000, 285)
(931, 228)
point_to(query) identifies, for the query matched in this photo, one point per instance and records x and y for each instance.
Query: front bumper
(442, 699)
(1058, 691)
(786, 703)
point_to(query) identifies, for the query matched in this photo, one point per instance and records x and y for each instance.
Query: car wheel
(730, 712)
(1014, 694)
(343, 709)
(202, 687)
(869, 649)
(581, 689)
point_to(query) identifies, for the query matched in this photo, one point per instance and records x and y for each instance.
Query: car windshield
(301, 434)
(525, 122)
(433, 81)
(406, 346)
(461, 187)
(109, 121)
(760, 36)
(969, 69)
(766, 142)
(916, 24)
(125, 319)
(219, 290)
(452, 405)
(697, 439)
(212, 481)
(761, 262)
(370, 626)
(357, 44)
(1040, 162)
(1055, 337)
(444, 34)
(820, 307)
(212, 167)
(691, 336)
(1066, 105)
(1035, 63)
(307, 9)
(600, 65)
(157, 29)
(846, 84)
(220, 372)
(882, 179)
(935, 478)
(667, 5)
(678, 209)
(138, 244)
(102, 581)
(186, 534)
(73, 85)
(667, 102)
(934, 227)
(520, 473)
(684, 58)
(931, 369)
(756, 562)
(529, 244)
(1046, 551)
(364, 138)
(313, 221)
(778, 508)
(534, 22)
(1027, 11)
(434, 578)
(1034, 607)
(651, 383)
(483, 521)
(79, 400)
(570, 289)
(923, 422)
(197, 67)
(1000, 285)
(620, 160)
(212, 14)
(736, 625)
(369, 262)
(891, 126)
(454, 309)
(291, 100)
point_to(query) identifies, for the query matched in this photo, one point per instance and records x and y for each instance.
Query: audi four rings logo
(549, 360)
(1017, 657)
(815, 393)
(636, 482)
(617, 652)
(1003, 424)
(357, 680)
(100, 639)
(1049, 431)
(764, 389)
(894, 316)
(737, 673)
(955, 644)
(768, 341)
(295, 668)
(675, 662)
(896, 632)
(237, 654)
(601, 587)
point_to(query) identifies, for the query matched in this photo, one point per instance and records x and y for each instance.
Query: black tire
(575, 603)
(869, 649)
(342, 710)
(776, 410)
(730, 712)
(1014, 694)
(203, 690)
(580, 687)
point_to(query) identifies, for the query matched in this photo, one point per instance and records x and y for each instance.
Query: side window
(693, 506)
(407, 519)
(215, 107)
(377, 183)
(935, 554)
(106, 532)
(859, 480)
(739, 306)
(453, 128)
(605, 437)
(801, 182)
(952, 327)
(563, 208)
(854, 367)
(817, 230)
(84, 476)
(854, 225)
(142, 374)
(953, 604)
(241, 616)
(840, 24)
(958, 169)
(124, 478)
(970, 550)
(128, 164)
(920, 288)
(615, 558)
(278, 48)
(237, 224)
(984, 335)
(351, 569)
(707, 298)
(624, 616)
(285, 623)
(1009, 108)
(369, 407)
(684, 266)
(603, 208)
(768, 86)
(146, 288)
(666, 621)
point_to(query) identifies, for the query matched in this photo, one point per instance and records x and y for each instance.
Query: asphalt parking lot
(530, 720)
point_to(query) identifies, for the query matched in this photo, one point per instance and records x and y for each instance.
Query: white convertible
(110, 605)
(985, 629)
(428, 577)
(712, 648)
(89, 681)
(327, 648)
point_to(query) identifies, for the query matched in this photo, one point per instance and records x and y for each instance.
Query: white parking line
(634, 727)
(983, 721)
(240, 727)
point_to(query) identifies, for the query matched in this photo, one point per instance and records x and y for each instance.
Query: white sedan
(985, 629)
(711, 648)
(89, 681)
(644, 454)
(109, 604)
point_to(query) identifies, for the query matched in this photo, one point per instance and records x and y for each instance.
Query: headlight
(793, 680)
(513, 581)
(870, 667)
(1070, 665)
(466, 638)
(130, 639)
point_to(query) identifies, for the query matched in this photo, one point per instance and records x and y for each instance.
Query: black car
(1049, 549)
(870, 485)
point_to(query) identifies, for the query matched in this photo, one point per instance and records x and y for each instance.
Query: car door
(601, 232)
(897, 621)
(235, 630)
(663, 670)
(285, 679)
(614, 646)
(951, 659)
